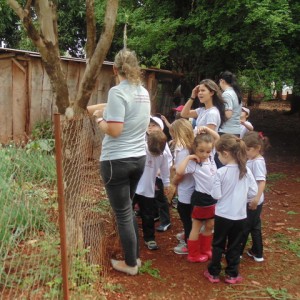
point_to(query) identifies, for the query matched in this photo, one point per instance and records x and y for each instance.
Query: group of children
(218, 208)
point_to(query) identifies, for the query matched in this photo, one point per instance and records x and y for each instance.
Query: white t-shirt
(186, 187)
(259, 171)
(146, 185)
(208, 116)
(244, 129)
(231, 100)
(128, 104)
(232, 193)
(203, 174)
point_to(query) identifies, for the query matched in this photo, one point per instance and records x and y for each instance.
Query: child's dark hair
(202, 138)
(254, 139)
(231, 80)
(237, 149)
(156, 142)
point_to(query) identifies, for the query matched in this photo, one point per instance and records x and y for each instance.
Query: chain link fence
(30, 266)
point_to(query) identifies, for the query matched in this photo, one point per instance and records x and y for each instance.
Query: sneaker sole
(234, 281)
(182, 253)
(208, 276)
(257, 259)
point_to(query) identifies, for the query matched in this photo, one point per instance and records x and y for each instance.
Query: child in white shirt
(183, 138)
(233, 185)
(156, 159)
(202, 167)
(246, 126)
(256, 144)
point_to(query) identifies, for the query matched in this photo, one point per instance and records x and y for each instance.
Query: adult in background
(125, 121)
(212, 111)
(232, 97)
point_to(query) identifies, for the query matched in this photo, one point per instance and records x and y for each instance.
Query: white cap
(158, 121)
(246, 110)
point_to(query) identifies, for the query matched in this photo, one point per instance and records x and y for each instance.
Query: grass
(243, 291)
(272, 178)
(25, 178)
(287, 243)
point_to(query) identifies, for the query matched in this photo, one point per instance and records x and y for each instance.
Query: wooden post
(61, 207)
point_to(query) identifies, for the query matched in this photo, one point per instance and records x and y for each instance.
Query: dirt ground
(173, 277)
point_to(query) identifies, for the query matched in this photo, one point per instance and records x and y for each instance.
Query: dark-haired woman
(232, 97)
(212, 111)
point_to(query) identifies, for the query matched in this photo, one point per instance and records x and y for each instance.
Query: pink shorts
(203, 212)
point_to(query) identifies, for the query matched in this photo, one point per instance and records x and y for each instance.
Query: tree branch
(46, 43)
(93, 68)
(90, 28)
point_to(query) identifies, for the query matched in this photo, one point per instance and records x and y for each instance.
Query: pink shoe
(233, 280)
(211, 278)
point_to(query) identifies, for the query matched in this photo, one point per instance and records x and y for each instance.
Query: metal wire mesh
(30, 266)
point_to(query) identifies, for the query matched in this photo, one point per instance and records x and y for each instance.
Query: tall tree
(39, 19)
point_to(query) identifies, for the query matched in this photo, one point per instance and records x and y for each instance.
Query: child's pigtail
(241, 157)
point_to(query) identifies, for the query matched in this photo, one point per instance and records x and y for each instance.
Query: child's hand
(194, 157)
(253, 204)
(195, 91)
(163, 118)
(202, 129)
(166, 190)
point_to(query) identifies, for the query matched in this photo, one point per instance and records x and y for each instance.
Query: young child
(246, 126)
(183, 138)
(202, 166)
(156, 159)
(256, 145)
(233, 185)
(161, 201)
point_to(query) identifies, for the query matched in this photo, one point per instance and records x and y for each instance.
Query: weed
(287, 243)
(293, 229)
(114, 287)
(276, 176)
(292, 212)
(280, 294)
(42, 130)
(147, 268)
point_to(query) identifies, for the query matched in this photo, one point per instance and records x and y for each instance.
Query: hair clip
(261, 135)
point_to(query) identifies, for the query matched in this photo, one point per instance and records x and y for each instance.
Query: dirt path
(277, 277)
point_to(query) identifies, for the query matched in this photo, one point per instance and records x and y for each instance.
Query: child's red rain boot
(194, 252)
(205, 245)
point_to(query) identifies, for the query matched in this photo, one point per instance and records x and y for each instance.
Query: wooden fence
(26, 96)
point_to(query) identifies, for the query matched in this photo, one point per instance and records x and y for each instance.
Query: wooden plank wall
(19, 99)
(6, 108)
(27, 97)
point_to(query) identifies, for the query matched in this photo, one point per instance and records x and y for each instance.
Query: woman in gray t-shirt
(124, 122)
(233, 103)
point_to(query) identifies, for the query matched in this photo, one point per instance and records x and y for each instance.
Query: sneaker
(257, 259)
(211, 278)
(175, 202)
(181, 248)
(121, 266)
(151, 245)
(180, 236)
(156, 219)
(233, 280)
(162, 228)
